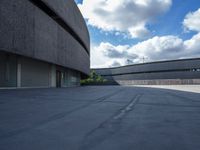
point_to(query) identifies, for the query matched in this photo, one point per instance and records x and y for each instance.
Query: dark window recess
(156, 71)
(7, 68)
(59, 20)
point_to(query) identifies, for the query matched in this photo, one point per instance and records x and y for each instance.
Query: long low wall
(159, 82)
(185, 71)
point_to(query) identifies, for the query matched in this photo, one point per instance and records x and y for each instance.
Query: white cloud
(153, 49)
(108, 55)
(156, 48)
(193, 45)
(192, 21)
(115, 64)
(130, 16)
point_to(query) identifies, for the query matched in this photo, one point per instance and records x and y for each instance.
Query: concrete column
(53, 76)
(18, 72)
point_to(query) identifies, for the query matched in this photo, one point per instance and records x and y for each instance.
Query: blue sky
(126, 31)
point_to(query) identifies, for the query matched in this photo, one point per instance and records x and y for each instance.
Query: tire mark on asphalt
(183, 98)
(25, 94)
(58, 116)
(168, 105)
(109, 127)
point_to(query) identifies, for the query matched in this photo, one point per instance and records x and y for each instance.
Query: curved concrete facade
(186, 71)
(49, 31)
(66, 9)
(37, 29)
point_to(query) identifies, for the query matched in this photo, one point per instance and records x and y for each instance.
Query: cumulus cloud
(193, 45)
(116, 51)
(130, 16)
(156, 48)
(153, 49)
(108, 55)
(192, 21)
(115, 64)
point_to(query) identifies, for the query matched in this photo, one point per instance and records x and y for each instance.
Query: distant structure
(185, 71)
(43, 43)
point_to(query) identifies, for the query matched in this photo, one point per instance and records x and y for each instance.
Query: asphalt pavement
(100, 118)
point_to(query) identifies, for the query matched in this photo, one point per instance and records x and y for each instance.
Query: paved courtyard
(100, 118)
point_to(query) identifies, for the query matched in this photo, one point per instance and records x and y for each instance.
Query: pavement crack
(101, 99)
(56, 116)
(109, 127)
(128, 108)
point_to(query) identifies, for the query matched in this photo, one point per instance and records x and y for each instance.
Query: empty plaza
(101, 118)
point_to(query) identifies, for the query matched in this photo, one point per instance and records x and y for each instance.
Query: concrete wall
(19, 71)
(148, 73)
(66, 9)
(159, 82)
(28, 30)
(34, 73)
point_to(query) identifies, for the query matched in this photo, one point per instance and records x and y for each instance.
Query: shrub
(94, 79)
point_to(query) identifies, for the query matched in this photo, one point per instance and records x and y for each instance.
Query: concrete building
(43, 43)
(185, 71)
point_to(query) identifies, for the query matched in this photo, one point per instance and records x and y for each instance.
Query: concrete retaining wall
(159, 82)
(186, 71)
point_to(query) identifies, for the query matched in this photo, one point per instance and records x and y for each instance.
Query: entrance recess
(58, 78)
